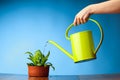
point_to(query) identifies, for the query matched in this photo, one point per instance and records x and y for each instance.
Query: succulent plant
(39, 59)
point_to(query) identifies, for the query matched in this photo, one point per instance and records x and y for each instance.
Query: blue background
(27, 25)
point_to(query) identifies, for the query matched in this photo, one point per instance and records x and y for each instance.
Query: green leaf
(37, 56)
(47, 55)
(50, 64)
(45, 58)
(29, 53)
(43, 61)
(31, 57)
(38, 52)
(30, 64)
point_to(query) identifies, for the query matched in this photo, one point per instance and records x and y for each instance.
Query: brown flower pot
(38, 71)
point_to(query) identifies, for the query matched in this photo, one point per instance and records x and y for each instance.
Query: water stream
(45, 46)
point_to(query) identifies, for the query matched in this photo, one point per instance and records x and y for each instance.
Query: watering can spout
(62, 49)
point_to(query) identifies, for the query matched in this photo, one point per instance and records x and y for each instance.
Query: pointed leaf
(29, 53)
(47, 55)
(50, 64)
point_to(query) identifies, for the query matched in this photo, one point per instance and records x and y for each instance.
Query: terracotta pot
(38, 71)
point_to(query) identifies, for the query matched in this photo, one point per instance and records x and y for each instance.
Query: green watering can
(82, 44)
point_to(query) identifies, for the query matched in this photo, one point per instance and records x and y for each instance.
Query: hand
(83, 16)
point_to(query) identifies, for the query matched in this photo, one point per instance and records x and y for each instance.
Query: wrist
(91, 9)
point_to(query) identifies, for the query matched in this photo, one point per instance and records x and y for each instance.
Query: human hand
(83, 15)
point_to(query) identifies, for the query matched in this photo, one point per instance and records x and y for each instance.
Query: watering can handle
(101, 31)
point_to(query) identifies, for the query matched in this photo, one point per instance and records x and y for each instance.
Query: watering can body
(82, 44)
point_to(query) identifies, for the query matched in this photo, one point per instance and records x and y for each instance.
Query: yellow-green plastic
(82, 44)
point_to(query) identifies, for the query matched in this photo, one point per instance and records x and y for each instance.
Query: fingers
(80, 20)
(82, 17)
(86, 17)
(75, 22)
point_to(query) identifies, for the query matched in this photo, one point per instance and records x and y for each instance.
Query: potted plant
(38, 66)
